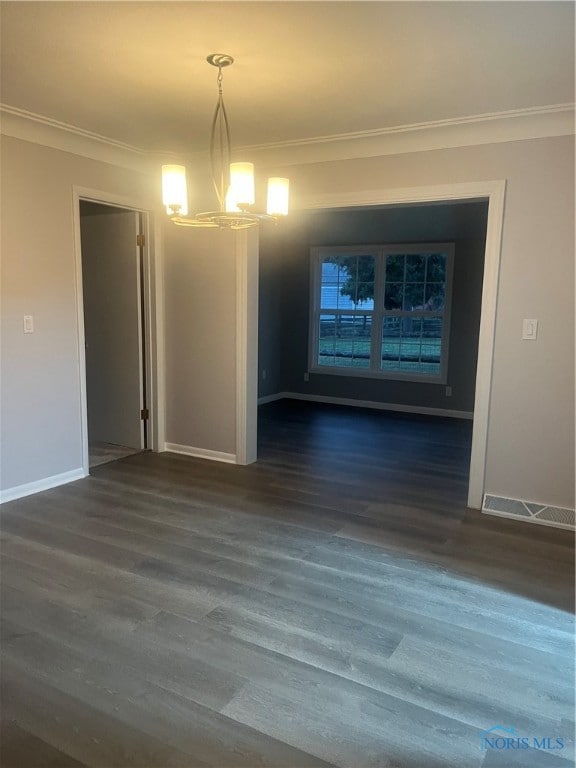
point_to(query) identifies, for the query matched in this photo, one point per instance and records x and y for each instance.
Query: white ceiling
(136, 71)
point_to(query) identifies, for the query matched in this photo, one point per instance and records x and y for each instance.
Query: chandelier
(233, 182)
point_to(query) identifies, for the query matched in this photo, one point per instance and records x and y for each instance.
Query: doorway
(114, 308)
(492, 192)
(447, 335)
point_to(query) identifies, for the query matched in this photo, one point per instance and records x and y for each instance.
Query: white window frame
(379, 252)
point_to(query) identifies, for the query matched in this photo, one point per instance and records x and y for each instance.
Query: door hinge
(140, 240)
(144, 414)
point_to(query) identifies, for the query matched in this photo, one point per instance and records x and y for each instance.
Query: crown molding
(39, 129)
(489, 128)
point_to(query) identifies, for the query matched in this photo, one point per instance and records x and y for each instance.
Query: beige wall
(40, 383)
(531, 429)
(41, 420)
(200, 318)
(530, 441)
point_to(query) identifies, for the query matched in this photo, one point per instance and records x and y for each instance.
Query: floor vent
(529, 512)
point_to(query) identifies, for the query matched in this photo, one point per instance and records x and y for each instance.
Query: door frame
(152, 331)
(494, 192)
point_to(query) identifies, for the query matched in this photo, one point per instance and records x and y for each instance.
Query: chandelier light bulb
(278, 193)
(174, 192)
(242, 183)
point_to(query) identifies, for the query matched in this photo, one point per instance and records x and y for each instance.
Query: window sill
(355, 373)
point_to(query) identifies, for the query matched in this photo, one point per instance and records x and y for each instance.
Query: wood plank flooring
(102, 453)
(334, 604)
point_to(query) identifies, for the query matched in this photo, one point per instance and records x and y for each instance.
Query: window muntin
(344, 340)
(414, 303)
(347, 282)
(382, 311)
(344, 327)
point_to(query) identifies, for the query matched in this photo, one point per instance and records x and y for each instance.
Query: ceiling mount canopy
(233, 182)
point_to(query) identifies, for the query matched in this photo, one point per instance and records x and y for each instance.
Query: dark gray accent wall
(285, 298)
(270, 311)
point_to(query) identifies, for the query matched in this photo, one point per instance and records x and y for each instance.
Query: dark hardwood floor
(333, 604)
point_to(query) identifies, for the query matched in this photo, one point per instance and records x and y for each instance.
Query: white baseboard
(201, 453)
(271, 398)
(368, 404)
(533, 520)
(19, 491)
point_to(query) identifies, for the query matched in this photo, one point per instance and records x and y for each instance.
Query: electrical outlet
(448, 391)
(263, 373)
(28, 324)
(306, 376)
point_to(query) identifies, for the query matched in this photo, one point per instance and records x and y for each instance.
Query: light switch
(529, 330)
(28, 324)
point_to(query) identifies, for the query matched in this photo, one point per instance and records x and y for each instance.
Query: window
(381, 311)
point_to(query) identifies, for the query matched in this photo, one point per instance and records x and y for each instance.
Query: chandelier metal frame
(239, 215)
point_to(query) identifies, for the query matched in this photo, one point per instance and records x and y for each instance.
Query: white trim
(471, 190)
(27, 489)
(494, 192)
(154, 332)
(470, 130)
(485, 357)
(81, 338)
(246, 264)
(374, 404)
(157, 364)
(201, 453)
(272, 398)
(526, 519)
(37, 129)
(139, 294)
(240, 263)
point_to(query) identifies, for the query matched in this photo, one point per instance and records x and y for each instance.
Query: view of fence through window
(404, 292)
(348, 290)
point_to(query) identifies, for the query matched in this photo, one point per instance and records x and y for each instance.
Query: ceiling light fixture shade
(174, 192)
(233, 182)
(278, 193)
(242, 183)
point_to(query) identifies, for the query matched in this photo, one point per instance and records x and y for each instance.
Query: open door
(111, 278)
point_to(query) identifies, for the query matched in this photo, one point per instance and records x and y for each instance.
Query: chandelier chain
(220, 146)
